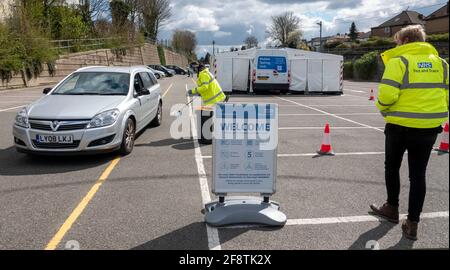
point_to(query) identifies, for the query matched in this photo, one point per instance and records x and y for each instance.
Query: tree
(91, 10)
(353, 32)
(251, 42)
(155, 13)
(207, 59)
(294, 39)
(283, 26)
(119, 14)
(66, 23)
(184, 41)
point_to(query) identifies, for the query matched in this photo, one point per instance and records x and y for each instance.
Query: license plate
(263, 78)
(61, 139)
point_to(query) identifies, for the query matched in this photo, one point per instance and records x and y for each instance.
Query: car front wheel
(128, 138)
(158, 118)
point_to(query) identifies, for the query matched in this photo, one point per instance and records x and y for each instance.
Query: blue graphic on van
(425, 65)
(272, 62)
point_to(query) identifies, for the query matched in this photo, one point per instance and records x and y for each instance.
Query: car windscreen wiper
(113, 94)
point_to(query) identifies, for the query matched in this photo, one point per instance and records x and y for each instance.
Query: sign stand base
(244, 210)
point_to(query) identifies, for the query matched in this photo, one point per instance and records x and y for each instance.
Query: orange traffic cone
(372, 97)
(325, 148)
(443, 148)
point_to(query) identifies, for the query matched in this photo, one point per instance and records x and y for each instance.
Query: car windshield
(95, 83)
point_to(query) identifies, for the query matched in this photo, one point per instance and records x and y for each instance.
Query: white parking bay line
(315, 154)
(353, 219)
(321, 114)
(357, 91)
(9, 109)
(330, 114)
(213, 233)
(308, 128)
(337, 220)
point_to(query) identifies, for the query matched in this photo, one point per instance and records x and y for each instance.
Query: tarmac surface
(153, 198)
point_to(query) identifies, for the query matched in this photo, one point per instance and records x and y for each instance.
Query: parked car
(177, 69)
(168, 72)
(158, 74)
(94, 109)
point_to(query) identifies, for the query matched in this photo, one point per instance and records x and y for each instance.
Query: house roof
(441, 12)
(404, 18)
(364, 35)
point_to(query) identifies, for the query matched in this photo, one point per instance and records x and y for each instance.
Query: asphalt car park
(153, 198)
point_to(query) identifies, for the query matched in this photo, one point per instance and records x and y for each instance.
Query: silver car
(94, 109)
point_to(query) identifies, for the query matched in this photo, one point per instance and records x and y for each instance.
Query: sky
(228, 23)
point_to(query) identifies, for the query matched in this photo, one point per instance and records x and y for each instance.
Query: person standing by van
(413, 99)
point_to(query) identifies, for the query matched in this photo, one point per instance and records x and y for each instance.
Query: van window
(277, 63)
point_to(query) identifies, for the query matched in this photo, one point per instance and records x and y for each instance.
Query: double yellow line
(54, 242)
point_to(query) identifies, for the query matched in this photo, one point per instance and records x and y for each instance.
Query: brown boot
(386, 211)
(409, 229)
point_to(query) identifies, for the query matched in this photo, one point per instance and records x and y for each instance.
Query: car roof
(130, 69)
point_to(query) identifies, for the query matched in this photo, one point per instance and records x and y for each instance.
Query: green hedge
(366, 66)
(438, 38)
(348, 70)
(378, 42)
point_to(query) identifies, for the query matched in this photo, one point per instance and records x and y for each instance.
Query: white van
(270, 70)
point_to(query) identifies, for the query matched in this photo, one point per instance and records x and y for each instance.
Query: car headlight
(22, 118)
(104, 119)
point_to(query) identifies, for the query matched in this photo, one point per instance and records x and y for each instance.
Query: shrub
(438, 38)
(366, 66)
(331, 45)
(162, 57)
(348, 70)
(378, 42)
(342, 46)
(23, 53)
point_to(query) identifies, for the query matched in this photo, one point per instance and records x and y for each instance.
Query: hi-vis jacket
(208, 88)
(414, 89)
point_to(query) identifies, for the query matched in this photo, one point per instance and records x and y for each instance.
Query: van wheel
(158, 118)
(128, 138)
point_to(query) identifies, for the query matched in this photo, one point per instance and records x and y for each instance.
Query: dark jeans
(419, 143)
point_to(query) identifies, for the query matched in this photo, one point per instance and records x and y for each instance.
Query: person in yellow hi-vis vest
(208, 88)
(413, 99)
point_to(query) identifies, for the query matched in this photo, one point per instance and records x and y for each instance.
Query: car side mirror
(145, 92)
(46, 91)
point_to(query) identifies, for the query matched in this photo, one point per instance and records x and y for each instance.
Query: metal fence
(79, 45)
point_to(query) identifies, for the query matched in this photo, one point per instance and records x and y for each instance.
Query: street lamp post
(320, 37)
(214, 53)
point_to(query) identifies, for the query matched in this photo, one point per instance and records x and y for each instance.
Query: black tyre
(128, 137)
(156, 122)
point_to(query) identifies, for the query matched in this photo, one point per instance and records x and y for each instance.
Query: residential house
(364, 36)
(393, 25)
(437, 22)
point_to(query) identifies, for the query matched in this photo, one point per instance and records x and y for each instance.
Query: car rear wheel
(158, 118)
(128, 138)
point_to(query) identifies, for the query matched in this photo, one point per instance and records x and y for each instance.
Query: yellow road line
(81, 206)
(167, 91)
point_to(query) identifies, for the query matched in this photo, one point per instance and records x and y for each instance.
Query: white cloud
(193, 18)
(250, 29)
(230, 21)
(221, 34)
